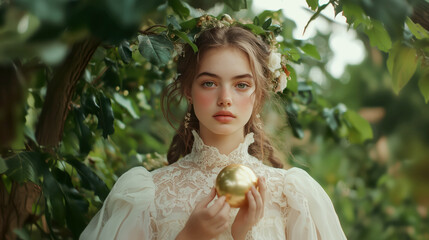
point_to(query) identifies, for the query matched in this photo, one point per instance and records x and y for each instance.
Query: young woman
(225, 84)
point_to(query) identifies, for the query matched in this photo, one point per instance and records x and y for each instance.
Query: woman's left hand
(249, 215)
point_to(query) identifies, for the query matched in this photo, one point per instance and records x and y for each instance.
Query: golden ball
(233, 182)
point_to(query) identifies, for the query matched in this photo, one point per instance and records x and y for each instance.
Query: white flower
(281, 82)
(274, 61)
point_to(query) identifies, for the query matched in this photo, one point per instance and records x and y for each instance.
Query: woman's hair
(257, 52)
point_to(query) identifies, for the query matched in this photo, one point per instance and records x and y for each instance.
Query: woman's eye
(242, 85)
(208, 84)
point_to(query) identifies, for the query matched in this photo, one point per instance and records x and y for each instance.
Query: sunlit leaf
(417, 30)
(402, 64)
(313, 4)
(378, 36)
(155, 48)
(311, 50)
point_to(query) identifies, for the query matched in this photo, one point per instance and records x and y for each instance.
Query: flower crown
(266, 31)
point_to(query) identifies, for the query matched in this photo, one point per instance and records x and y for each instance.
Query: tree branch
(421, 14)
(60, 92)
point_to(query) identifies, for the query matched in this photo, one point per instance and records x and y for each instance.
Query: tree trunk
(11, 88)
(60, 92)
(421, 14)
(16, 205)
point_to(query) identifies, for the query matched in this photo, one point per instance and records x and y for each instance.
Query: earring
(258, 121)
(187, 119)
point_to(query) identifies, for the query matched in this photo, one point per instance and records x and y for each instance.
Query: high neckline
(209, 156)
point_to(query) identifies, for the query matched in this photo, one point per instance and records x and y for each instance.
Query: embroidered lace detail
(209, 157)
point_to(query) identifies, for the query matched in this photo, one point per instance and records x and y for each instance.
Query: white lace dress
(157, 204)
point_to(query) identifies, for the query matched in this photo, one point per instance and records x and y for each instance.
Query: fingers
(252, 203)
(256, 200)
(222, 216)
(259, 203)
(205, 201)
(216, 207)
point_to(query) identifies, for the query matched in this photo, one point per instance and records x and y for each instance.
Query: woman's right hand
(207, 222)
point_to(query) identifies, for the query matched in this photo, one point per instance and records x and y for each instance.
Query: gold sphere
(233, 182)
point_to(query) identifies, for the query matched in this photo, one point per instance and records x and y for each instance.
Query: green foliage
(25, 166)
(156, 49)
(311, 50)
(89, 179)
(236, 5)
(384, 25)
(179, 8)
(417, 30)
(424, 85)
(402, 64)
(359, 128)
(378, 36)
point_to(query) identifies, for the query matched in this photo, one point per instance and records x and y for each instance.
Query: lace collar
(209, 156)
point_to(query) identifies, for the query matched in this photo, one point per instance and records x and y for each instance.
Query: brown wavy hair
(258, 53)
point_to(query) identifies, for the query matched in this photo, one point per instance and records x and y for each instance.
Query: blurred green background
(80, 87)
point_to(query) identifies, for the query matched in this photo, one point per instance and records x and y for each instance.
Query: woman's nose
(224, 98)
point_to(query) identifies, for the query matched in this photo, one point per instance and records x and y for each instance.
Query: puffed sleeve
(127, 211)
(310, 213)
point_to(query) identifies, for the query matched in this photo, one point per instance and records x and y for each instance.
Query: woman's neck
(224, 143)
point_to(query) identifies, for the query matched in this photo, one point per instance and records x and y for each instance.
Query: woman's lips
(224, 116)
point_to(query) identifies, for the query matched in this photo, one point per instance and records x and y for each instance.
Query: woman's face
(222, 92)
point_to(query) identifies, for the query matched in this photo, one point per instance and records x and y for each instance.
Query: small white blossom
(282, 82)
(227, 18)
(274, 61)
